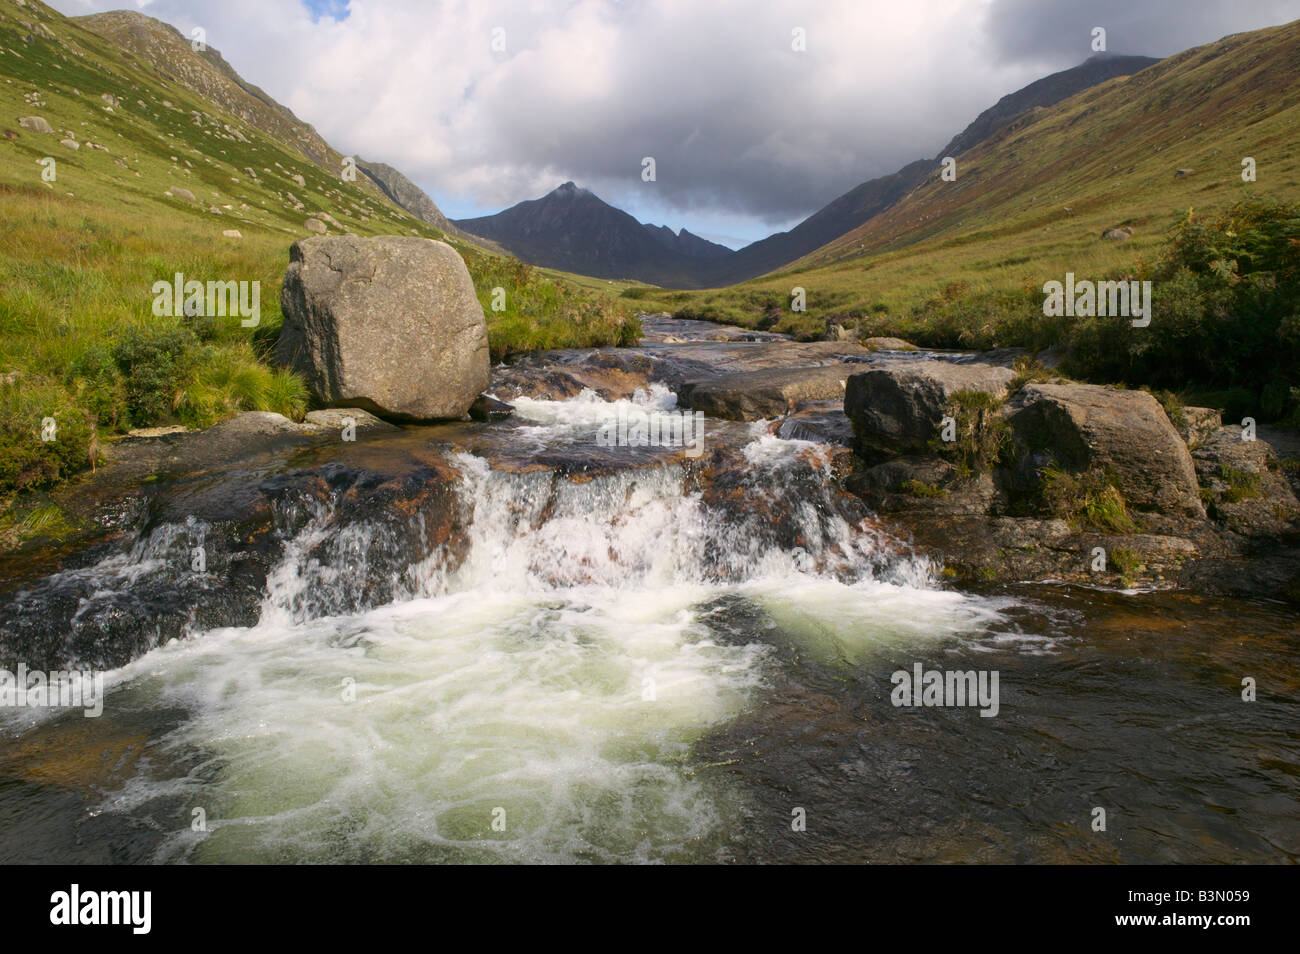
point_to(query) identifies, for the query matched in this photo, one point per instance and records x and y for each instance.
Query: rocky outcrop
(1124, 434)
(1244, 487)
(899, 407)
(204, 533)
(389, 324)
(1089, 484)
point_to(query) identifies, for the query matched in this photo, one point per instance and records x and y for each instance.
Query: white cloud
(746, 132)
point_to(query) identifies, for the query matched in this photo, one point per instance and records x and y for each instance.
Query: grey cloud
(1037, 30)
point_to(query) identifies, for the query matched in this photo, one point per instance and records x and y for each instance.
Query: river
(644, 666)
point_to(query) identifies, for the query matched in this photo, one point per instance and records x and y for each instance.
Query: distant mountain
(1112, 153)
(572, 229)
(1047, 91)
(874, 196)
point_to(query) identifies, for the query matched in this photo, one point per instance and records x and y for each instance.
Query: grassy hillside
(157, 175)
(962, 264)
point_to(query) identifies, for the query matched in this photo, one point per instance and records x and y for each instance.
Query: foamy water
(541, 699)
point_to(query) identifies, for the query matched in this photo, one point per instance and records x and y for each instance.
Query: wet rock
(487, 408)
(822, 421)
(922, 483)
(1083, 427)
(753, 395)
(899, 407)
(559, 375)
(1274, 574)
(976, 549)
(388, 324)
(207, 535)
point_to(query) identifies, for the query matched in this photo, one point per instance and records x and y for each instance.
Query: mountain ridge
(696, 265)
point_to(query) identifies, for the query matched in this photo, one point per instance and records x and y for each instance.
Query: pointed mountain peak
(569, 191)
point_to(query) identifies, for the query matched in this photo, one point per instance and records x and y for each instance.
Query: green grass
(1088, 499)
(981, 434)
(40, 520)
(1242, 484)
(919, 488)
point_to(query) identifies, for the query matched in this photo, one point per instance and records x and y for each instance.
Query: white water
(560, 674)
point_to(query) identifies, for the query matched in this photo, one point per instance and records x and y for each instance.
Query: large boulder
(389, 324)
(899, 406)
(1085, 427)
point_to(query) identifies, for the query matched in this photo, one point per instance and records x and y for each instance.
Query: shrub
(155, 367)
(26, 459)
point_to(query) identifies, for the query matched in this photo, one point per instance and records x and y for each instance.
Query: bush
(1224, 310)
(98, 386)
(29, 461)
(155, 367)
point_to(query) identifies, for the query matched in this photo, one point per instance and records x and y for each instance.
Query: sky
(756, 112)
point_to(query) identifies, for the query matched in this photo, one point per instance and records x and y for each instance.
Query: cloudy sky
(484, 103)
